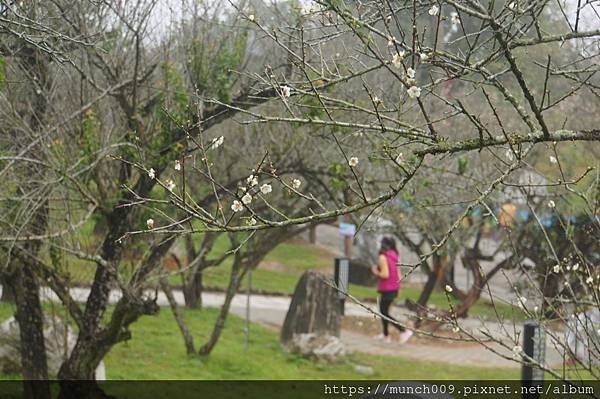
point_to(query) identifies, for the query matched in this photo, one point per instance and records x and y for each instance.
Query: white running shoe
(405, 336)
(381, 337)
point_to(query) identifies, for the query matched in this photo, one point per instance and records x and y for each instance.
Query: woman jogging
(388, 286)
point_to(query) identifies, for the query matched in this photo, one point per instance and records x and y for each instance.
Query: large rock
(315, 309)
(319, 347)
(59, 340)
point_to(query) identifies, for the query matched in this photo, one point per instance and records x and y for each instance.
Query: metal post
(534, 346)
(341, 276)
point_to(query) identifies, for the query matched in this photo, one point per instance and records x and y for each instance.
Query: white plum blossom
(286, 91)
(411, 82)
(251, 17)
(424, 57)
(296, 183)
(391, 41)
(414, 92)
(247, 199)
(517, 350)
(448, 288)
(353, 162)
(454, 18)
(512, 5)
(252, 180)
(575, 267)
(216, 143)
(251, 221)
(177, 164)
(589, 280)
(152, 173)
(397, 58)
(553, 159)
(237, 206)
(150, 223)
(400, 158)
(410, 73)
(551, 204)
(434, 10)
(170, 185)
(456, 329)
(266, 188)
(556, 269)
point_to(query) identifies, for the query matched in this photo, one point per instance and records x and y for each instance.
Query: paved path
(271, 311)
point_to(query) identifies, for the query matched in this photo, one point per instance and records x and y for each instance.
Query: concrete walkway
(271, 311)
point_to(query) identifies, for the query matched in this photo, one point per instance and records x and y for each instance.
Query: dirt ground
(372, 327)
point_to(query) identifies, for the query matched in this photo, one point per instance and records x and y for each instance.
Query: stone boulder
(59, 340)
(318, 347)
(315, 309)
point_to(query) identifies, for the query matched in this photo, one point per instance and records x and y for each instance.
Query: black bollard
(534, 346)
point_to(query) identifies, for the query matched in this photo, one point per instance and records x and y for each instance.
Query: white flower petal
(414, 92)
(266, 188)
(237, 206)
(247, 199)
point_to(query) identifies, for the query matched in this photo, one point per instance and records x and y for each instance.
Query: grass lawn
(156, 351)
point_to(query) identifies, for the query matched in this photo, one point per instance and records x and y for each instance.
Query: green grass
(158, 346)
(156, 351)
(300, 257)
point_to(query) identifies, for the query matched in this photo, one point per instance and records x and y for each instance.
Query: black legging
(385, 301)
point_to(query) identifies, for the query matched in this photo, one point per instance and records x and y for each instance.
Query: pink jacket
(392, 283)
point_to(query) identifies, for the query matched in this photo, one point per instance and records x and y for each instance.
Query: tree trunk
(441, 267)
(234, 283)
(192, 292)
(312, 234)
(187, 336)
(550, 290)
(30, 317)
(434, 279)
